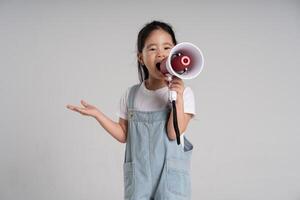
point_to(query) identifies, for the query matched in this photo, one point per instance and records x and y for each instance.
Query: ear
(140, 58)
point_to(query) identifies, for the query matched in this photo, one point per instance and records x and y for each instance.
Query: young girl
(155, 167)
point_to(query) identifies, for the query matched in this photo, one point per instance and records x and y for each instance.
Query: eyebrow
(154, 44)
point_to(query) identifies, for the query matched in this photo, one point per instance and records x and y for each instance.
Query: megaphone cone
(185, 61)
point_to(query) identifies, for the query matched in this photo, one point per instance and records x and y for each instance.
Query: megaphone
(185, 61)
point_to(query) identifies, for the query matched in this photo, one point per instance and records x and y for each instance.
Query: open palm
(87, 109)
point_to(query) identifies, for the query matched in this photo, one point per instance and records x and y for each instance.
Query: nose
(161, 54)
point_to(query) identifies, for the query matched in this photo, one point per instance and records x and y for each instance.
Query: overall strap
(131, 95)
(129, 150)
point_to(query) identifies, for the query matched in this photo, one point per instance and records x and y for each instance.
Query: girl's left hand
(177, 84)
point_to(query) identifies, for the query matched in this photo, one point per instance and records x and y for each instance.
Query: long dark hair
(142, 36)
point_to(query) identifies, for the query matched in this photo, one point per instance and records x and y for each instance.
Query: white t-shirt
(154, 100)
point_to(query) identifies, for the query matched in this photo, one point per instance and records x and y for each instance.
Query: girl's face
(157, 47)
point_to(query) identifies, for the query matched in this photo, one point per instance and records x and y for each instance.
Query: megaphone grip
(175, 123)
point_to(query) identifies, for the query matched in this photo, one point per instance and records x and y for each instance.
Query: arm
(116, 130)
(182, 118)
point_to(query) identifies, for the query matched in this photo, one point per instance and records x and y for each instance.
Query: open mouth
(158, 66)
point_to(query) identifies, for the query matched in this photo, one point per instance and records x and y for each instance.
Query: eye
(167, 48)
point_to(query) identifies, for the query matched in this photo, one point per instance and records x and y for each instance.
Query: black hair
(143, 35)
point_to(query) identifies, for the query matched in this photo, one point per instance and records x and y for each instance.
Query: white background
(52, 53)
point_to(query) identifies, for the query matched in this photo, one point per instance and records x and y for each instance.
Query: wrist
(179, 102)
(179, 98)
(97, 115)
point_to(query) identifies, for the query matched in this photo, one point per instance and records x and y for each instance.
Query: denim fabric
(154, 168)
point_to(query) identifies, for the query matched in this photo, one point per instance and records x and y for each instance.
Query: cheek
(145, 57)
(149, 58)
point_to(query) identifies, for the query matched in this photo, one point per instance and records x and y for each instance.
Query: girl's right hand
(87, 109)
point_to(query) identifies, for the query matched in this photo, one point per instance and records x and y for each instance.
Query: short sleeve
(189, 101)
(122, 110)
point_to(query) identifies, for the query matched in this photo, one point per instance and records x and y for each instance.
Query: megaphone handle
(172, 94)
(172, 98)
(175, 123)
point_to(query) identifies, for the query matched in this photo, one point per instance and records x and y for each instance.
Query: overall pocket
(178, 177)
(129, 181)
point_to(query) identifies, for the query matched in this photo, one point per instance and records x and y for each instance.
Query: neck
(154, 84)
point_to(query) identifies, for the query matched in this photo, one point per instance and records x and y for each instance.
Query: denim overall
(155, 168)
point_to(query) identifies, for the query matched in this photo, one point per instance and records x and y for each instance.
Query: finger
(85, 104)
(178, 81)
(74, 108)
(175, 78)
(80, 110)
(177, 85)
(70, 107)
(178, 88)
